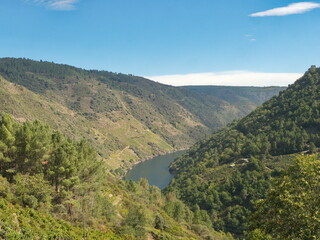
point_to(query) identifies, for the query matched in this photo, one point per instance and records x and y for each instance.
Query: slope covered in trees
(52, 187)
(292, 208)
(244, 98)
(126, 118)
(227, 173)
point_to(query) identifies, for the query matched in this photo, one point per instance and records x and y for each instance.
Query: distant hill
(125, 117)
(228, 172)
(244, 98)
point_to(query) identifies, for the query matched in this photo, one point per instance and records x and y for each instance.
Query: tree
(159, 222)
(62, 164)
(136, 222)
(32, 191)
(33, 146)
(292, 208)
(312, 148)
(7, 147)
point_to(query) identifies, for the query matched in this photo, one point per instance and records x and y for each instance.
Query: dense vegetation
(17, 222)
(227, 173)
(292, 209)
(126, 118)
(52, 187)
(46, 176)
(245, 98)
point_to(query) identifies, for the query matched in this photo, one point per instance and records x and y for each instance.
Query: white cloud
(250, 37)
(60, 5)
(294, 8)
(231, 78)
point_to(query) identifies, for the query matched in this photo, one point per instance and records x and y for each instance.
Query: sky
(176, 42)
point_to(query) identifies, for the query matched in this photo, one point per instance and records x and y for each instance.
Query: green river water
(156, 170)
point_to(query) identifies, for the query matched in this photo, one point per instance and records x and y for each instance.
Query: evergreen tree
(292, 209)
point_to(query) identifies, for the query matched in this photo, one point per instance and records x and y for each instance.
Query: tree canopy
(292, 208)
(227, 172)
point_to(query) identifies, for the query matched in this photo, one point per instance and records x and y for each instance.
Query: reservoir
(156, 170)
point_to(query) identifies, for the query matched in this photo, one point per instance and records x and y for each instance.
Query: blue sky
(178, 42)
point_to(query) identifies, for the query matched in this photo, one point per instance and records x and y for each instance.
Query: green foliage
(257, 234)
(292, 209)
(5, 188)
(124, 117)
(226, 173)
(32, 191)
(159, 222)
(25, 223)
(136, 222)
(46, 176)
(244, 98)
(32, 148)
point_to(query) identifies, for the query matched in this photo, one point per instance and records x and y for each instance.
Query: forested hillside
(228, 172)
(244, 98)
(126, 118)
(52, 187)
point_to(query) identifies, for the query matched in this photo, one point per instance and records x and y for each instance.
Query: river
(156, 170)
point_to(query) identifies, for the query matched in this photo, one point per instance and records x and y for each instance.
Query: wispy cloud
(59, 5)
(230, 78)
(294, 8)
(250, 37)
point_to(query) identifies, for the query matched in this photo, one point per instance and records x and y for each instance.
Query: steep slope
(52, 187)
(226, 173)
(111, 138)
(17, 222)
(244, 98)
(127, 118)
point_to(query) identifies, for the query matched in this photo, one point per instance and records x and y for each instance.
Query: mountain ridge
(127, 118)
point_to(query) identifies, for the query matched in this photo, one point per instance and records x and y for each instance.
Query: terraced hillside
(127, 118)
